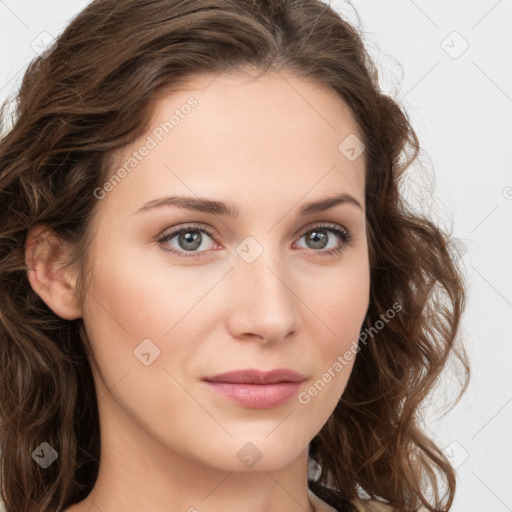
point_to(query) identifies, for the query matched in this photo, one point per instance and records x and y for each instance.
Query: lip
(255, 388)
(253, 376)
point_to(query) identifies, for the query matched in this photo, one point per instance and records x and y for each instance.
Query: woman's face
(251, 282)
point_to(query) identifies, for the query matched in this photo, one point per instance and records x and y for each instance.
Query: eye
(319, 239)
(190, 239)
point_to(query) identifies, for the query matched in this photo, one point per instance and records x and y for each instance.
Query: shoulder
(335, 502)
(366, 505)
(363, 505)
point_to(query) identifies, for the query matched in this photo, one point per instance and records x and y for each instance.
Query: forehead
(238, 137)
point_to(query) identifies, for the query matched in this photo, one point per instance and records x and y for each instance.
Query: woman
(213, 294)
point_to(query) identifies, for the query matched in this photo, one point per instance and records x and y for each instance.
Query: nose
(263, 305)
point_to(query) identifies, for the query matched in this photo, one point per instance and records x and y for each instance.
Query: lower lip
(257, 396)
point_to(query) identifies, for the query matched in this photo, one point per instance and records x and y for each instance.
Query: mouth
(255, 388)
(252, 376)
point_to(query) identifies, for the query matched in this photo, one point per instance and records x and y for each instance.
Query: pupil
(320, 239)
(188, 238)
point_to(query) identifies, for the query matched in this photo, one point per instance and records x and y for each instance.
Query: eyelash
(345, 235)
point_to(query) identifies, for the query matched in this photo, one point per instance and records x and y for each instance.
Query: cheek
(128, 305)
(342, 304)
(133, 308)
(342, 308)
(118, 314)
(137, 300)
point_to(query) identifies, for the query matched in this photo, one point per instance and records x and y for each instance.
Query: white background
(460, 104)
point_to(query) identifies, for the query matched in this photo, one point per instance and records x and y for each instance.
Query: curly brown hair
(89, 95)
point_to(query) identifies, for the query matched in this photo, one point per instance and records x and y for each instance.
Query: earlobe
(55, 285)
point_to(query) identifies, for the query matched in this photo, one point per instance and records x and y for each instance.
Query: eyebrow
(220, 208)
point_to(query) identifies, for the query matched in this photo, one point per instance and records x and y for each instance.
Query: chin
(253, 454)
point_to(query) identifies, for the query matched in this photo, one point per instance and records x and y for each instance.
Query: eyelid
(320, 224)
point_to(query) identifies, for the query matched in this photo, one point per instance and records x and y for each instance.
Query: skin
(268, 145)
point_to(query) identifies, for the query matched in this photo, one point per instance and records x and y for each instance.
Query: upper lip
(253, 376)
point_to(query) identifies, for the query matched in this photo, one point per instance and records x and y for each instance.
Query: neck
(138, 472)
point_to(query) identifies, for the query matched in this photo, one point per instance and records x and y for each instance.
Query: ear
(44, 254)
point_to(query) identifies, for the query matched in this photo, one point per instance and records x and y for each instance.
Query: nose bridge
(264, 303)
